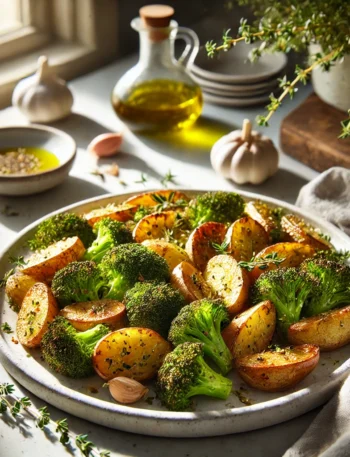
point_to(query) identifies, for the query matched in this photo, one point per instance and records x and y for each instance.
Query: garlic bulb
(245, 156)
(43, 97)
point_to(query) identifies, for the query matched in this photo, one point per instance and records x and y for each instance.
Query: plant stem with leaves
(17, 406)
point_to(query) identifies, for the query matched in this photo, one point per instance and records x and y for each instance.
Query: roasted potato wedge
(88, 314)
(301, 232)
(246, 237)
(154, 226)
(17, 286)
(267, 218)
(147, 198)
(190, 282)
(39, 308)
(229, 281)
(120, 213)
(199, 246)
(44, 264)
(276, 371)
(172, 253)
(329, 330)
(292, 253)
(251, 331)
(132, 352)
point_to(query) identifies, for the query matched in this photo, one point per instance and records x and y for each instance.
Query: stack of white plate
(232, 80)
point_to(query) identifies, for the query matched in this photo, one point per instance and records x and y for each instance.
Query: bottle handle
(192, 45)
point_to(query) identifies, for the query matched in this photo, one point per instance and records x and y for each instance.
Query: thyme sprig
(167, 202)
(21, 406)
(3, 281)
(143, 179)
(262, 263)
(289, 25)
(221, 249)
(18, 261)
(6, 328)
(168, 178)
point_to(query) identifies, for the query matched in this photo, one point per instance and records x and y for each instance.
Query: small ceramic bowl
(59, 143)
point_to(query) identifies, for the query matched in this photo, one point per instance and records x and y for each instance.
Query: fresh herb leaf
(44, 417)
(84, 444)
(62, 429)
(143, 179)
(221, 248)
(18, 261)
(168, 178)
(3, 281)
(263, 262)
(6, 328)
(6, 389)
(98, 173)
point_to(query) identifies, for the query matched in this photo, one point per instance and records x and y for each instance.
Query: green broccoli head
(201, 322)
(77, 282)
(61, 226)
(109, 233)
(153, 306)
(333, 285)
(142, 211)
(123, 266)
(218, 206)
(184, 374)
(68, 351)
(288, 289)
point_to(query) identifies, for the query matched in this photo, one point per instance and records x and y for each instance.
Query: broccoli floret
(123, 266)
(61, 226)
(153, 306)
(201, 322)
(142, 211)
(109, 233)
(215, 206)
(333, 285)
(77, 282)
(68, 351)
(288, 289)
(184, 374)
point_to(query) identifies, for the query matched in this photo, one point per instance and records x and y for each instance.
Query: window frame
(76, 35)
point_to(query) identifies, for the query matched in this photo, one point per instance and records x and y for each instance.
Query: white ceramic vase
(333, 87)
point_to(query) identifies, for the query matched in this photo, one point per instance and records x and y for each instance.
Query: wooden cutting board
(310, 134)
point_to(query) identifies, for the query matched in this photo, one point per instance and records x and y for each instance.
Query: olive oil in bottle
(160, 105)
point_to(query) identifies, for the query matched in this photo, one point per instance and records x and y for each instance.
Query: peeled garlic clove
(106, 145)
(126, 390)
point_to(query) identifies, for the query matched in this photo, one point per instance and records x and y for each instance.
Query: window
(76, 35)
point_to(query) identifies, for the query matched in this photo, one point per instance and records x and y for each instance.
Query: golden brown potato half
(132, 352)
(120, 213)
(39, 308)
(251, 331)
(44, 264)
(229, 281)
(246, 237)
(154, 226)
(172, 254)
(147, 198)
(301, 232)
(329, 330)
(190, 282)
(88, 314)
(199, 246)
(17, 286)
(292, 253)
(276, 371)
(264, 215)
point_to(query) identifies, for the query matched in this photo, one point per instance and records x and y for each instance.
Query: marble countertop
(186, 154)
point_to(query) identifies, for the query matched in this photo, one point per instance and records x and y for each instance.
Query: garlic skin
(106, 145)
(126, 390)
(245, 156)
(43, 97)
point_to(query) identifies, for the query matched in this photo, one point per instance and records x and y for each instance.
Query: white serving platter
(210, 417)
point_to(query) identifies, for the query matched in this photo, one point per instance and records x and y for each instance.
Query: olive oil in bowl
(26, 161)
(159, 104)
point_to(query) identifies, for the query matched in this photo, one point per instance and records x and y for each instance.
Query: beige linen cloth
(329, 434)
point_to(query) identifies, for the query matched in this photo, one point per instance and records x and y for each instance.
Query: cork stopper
(156, 15)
